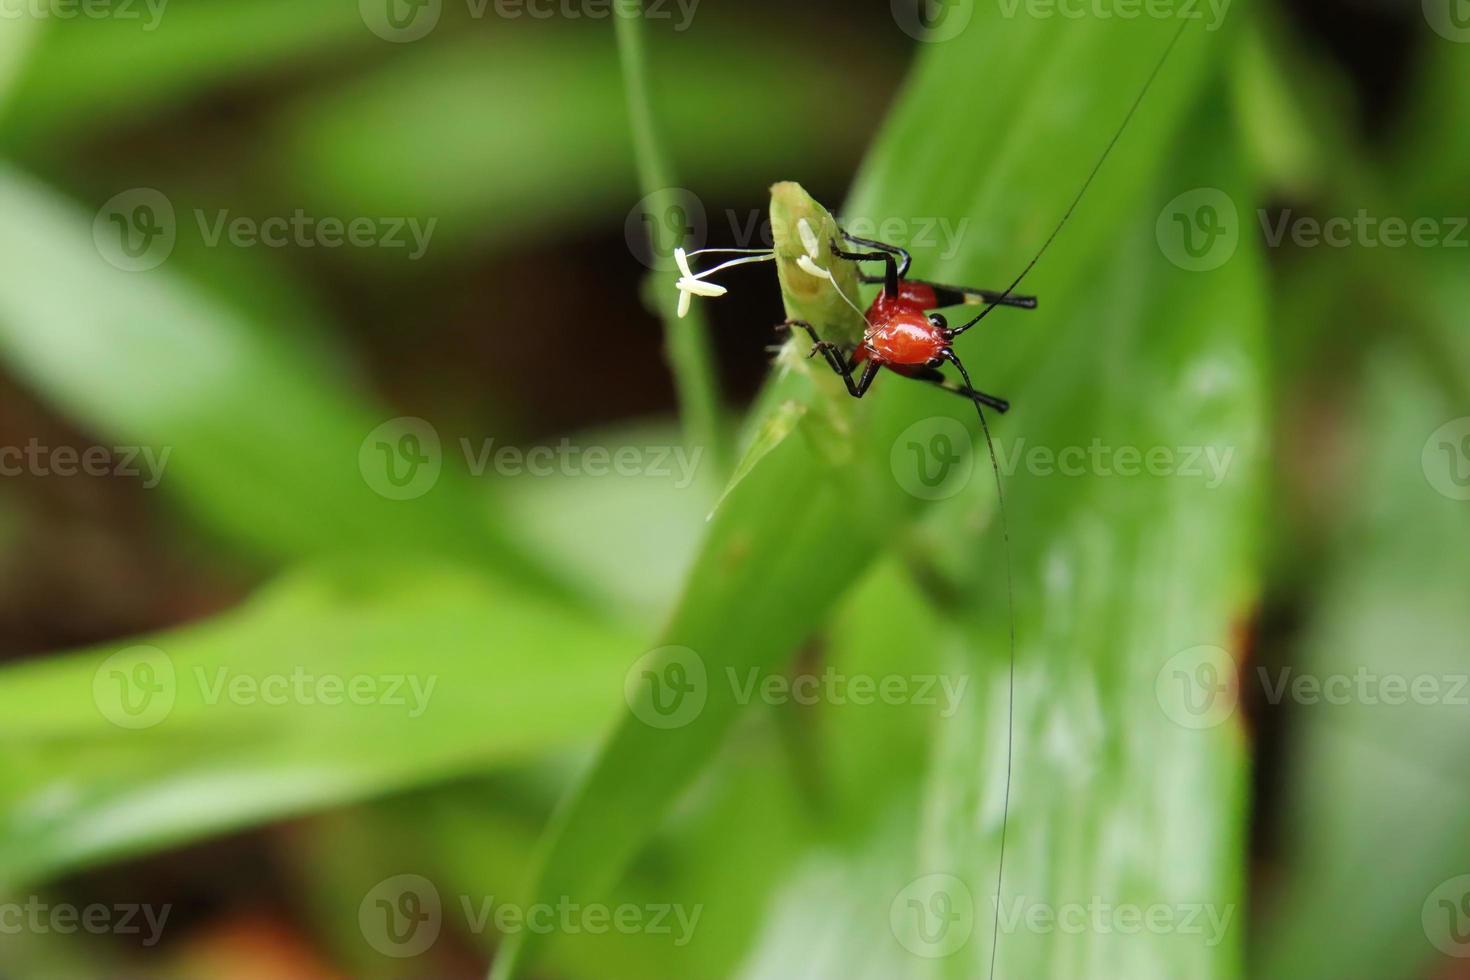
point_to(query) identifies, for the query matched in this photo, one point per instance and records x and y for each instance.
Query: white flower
(691, 284)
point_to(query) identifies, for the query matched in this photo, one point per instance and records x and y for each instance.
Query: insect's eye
(937, 322)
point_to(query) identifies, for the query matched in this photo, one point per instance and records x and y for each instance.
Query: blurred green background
(357, 492)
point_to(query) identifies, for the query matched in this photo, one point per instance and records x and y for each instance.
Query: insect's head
(941, 326)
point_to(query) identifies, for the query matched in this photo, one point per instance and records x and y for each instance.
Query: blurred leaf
(1375, 801)
(165, 52)
(686, 332)
(803, 525)
(1116, 799)
(597, 529)
(329, 687)
(1092, 737)
(17, 35)
(519, 170)
(265, 442)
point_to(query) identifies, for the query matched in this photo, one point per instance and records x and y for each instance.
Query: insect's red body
(900, 333)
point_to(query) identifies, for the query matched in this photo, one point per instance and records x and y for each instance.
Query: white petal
(700, 288)
(685, 299)
(806, 265)
(682, 259)
(809, 238)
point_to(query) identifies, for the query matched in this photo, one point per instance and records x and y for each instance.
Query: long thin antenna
(1005, 533)
(1085, 184)
(1000, 493)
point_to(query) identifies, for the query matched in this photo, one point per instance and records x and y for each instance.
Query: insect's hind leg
(936, 377)
(973, 296)
(856, 387)
(890, 275)
(903, 257)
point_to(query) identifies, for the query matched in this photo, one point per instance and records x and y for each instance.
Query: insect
(904, 333)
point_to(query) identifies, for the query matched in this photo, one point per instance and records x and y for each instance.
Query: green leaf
(161, 53)
(806, 522)
(686, 340)
(265, 442)
(329, 687)
(570, 117)
(1098, 724)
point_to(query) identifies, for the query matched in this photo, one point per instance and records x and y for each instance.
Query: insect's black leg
(856, 387)
(937, 378)
(999, 404)
(970, 295)
(890, 271)
(904, 258)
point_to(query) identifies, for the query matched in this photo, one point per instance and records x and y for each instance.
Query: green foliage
(531, 607)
